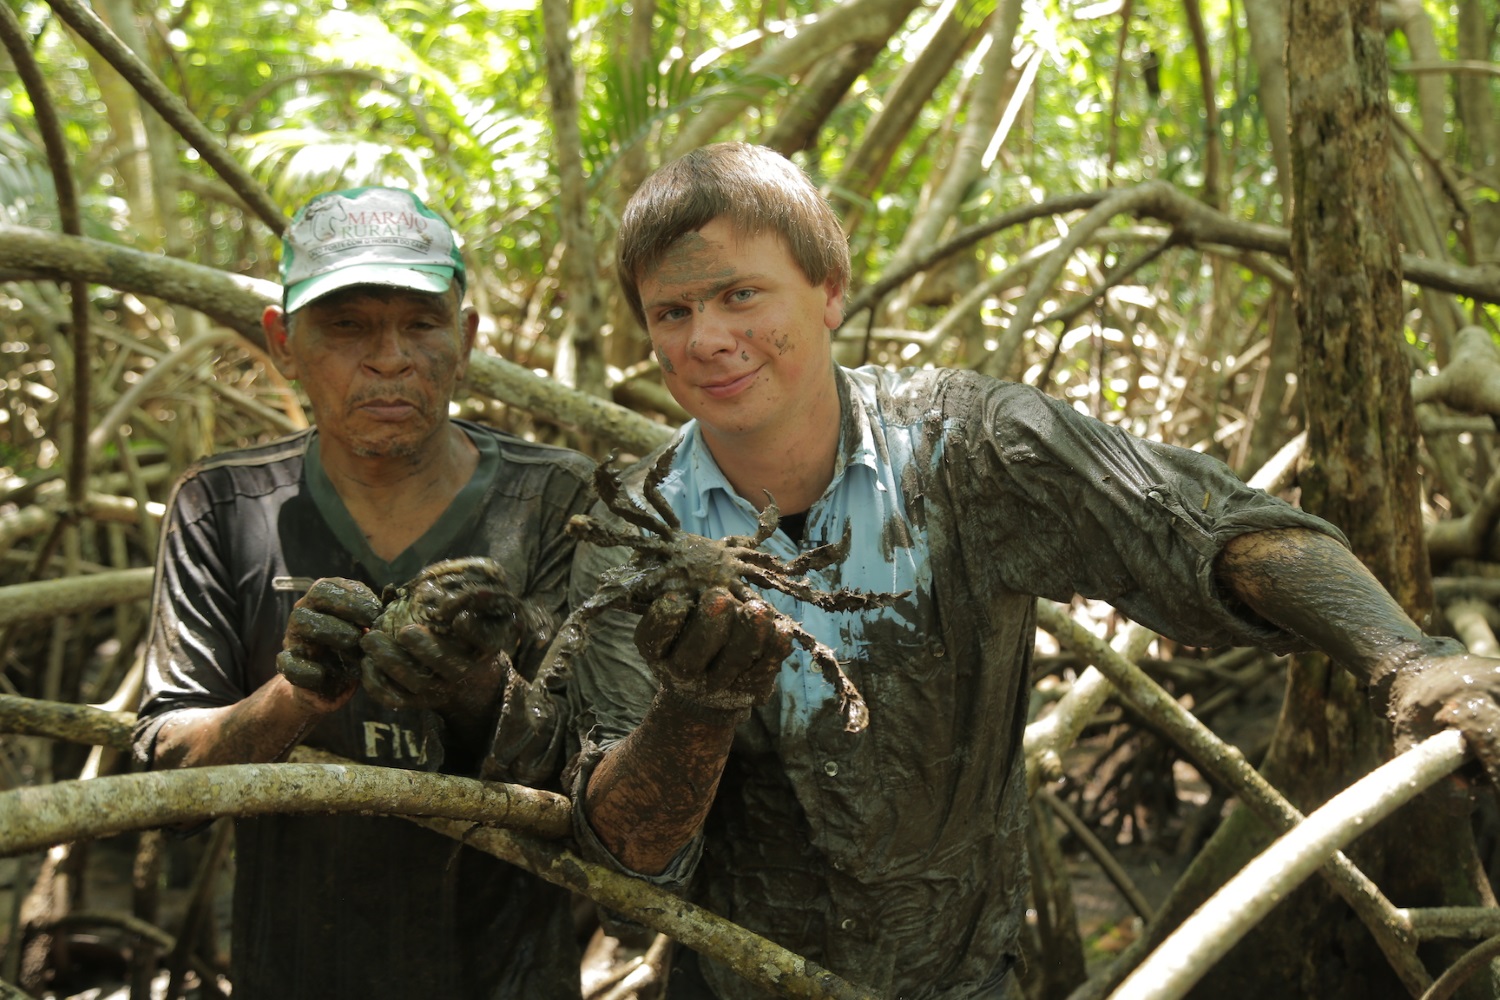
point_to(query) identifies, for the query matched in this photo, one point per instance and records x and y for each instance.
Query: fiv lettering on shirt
(392, 741)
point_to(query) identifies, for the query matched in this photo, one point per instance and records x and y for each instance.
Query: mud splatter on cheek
(783, 343)
(744, 355)
(665, 362)
(749, 334)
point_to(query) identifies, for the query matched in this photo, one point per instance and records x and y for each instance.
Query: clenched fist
(320, 652)
(718, 652)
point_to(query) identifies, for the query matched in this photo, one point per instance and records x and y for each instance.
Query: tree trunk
(1266, 21)
(818, 93)
(901, 104)
(1361, 475)
(580, 271)
(983, 112)
(627, 342)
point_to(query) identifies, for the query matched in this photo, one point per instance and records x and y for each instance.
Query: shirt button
(847, 923)
(831, 768)
(938, 650)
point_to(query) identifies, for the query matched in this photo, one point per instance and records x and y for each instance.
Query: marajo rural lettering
(380, 224)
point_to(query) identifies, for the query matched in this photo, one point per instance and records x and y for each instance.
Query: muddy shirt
(896, 856)
(343, 905)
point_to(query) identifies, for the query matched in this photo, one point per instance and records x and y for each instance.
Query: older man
(249, 656)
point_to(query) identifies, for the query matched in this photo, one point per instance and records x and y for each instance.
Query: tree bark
(580, 271)
(1361, 474)
(903, 102)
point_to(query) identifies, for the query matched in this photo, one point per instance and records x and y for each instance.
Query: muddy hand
(320, 652)
(719, 652)
(446, 639)
(1458, 691)
(418, 667)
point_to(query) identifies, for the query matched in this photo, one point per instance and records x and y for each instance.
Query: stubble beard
(387, 449)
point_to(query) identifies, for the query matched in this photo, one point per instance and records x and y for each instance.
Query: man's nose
(713, 333)
(388, 350)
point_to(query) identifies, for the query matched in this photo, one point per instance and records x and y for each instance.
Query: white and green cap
(367, 236)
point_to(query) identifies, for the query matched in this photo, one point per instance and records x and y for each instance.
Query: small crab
(470, 598)
(670, 560)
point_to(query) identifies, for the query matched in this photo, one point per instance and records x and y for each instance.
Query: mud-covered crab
(669, 560)
(469, 598)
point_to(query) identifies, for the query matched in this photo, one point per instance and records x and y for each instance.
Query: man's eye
(742, 295)
(673, 314)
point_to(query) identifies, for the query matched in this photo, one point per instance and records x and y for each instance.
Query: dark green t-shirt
(351, 906)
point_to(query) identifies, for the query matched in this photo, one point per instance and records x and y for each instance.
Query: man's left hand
(446, 639)
(417, 667)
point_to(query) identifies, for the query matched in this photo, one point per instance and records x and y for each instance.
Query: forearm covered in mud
(263, 727)
(650, 793)
(1315, 588)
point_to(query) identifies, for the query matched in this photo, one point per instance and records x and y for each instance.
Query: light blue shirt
(864, 495)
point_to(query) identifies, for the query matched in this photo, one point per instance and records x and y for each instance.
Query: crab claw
(767, 521)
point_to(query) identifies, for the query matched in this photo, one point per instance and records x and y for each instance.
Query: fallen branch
(237, 302)
(1470, 381)
(62, 721)
(619, 427)
(1191, 950)
(253, 789)
(1466, 922)
(1468, 964)
(43, 815)
(1194, 224)
(1046, 738)
(1470, 622)
(133, 926)
(1464, 537)
(1096, 850)
(47, 599)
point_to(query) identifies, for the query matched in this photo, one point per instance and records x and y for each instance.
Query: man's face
(742, 336)
(379, 365)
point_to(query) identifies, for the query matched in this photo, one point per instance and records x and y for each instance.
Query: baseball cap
(367, 236)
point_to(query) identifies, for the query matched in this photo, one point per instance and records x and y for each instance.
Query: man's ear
(274, 322)
(468, 329)
(833, 309)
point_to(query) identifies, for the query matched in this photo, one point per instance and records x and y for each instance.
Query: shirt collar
(701, 476)
(856, 426)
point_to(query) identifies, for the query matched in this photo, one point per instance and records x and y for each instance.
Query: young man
(895, 856)
(249, 656)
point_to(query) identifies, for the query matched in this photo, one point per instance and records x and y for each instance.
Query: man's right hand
(718, 652)
(320, 653)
